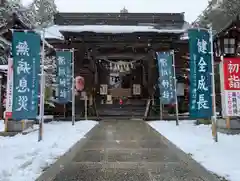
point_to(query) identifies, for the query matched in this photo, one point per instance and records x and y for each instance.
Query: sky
(192, 8)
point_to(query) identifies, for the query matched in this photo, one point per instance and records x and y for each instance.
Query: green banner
(166, 78)
(26, 69)
(64, 76)
(200, 74)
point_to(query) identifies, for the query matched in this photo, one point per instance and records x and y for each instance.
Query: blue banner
(26, 69)
(166, 77)
(200, 74)
(64, 76)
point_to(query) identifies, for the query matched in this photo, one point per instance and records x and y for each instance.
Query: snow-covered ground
(1, 125)
(221, 158)
(22, 157)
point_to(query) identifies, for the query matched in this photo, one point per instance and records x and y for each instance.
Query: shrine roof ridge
(161, 19)
(55, 31)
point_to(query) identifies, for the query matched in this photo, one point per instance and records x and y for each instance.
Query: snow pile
(24, 157)
(1, 125)
(221, 158)
(3, 67)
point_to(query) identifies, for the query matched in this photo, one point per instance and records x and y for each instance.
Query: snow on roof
(54, 31)
(3, 67)
(117, 29)
(185, 37)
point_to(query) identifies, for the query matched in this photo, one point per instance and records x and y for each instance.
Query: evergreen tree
(220, 13)
(8, 8)
(231, 7)
(43, 11)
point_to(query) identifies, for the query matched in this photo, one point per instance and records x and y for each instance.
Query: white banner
(223, 102)
(9, 98)
(232, 103)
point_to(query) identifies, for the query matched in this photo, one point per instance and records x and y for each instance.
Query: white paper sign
(9, 98)
(232, 103)
(103, 89)
(136, 89)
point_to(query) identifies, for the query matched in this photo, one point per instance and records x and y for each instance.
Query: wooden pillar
(151, 72)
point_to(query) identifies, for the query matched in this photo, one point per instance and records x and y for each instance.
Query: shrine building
(115, 53)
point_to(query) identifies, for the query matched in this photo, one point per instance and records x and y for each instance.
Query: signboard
(64, 76)
(26, 69)
(166, 78)
(136, 89)
(231, 86)
(9, 99)
(200, 74)
(103, 89)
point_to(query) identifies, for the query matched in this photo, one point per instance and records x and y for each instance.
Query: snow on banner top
(55, 30)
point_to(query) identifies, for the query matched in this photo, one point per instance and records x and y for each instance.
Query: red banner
(231, 68)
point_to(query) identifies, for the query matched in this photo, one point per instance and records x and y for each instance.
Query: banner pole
(86, 107)
(214, 115)
(73, 89)
(64, 108)
(42, 92)
(175, 88)
(160, 108)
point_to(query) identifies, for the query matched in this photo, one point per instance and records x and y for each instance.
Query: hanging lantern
(79, 83)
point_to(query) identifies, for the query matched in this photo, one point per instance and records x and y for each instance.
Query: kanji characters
(62, 82)
(166, 95)
(165, 83)
(202, 65)
(163, 62)
(166, 79)
(61, 60)
(202, 88)
(23, 67)
(61, 71)
(202, 84)
(202, 103)
(64, 73)
(164, 73)
(233, 68)
(22, 49)
(63, 93)
(202, 46)
(234, 81)
(22, 103)
(23, 85)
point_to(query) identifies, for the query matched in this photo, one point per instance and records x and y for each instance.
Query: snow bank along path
(22, 157)
(221, 158)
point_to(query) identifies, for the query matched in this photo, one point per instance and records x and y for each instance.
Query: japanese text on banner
(231, 73)
(26, 68)
(200, 74)
(64, 78)
(166, 79)
(231, 91)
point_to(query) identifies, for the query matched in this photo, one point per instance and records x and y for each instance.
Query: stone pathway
(131, 151)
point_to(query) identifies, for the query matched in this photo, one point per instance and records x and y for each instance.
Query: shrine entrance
(115, 53)
(124, 93)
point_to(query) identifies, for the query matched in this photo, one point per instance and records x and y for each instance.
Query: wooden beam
(123, 57)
